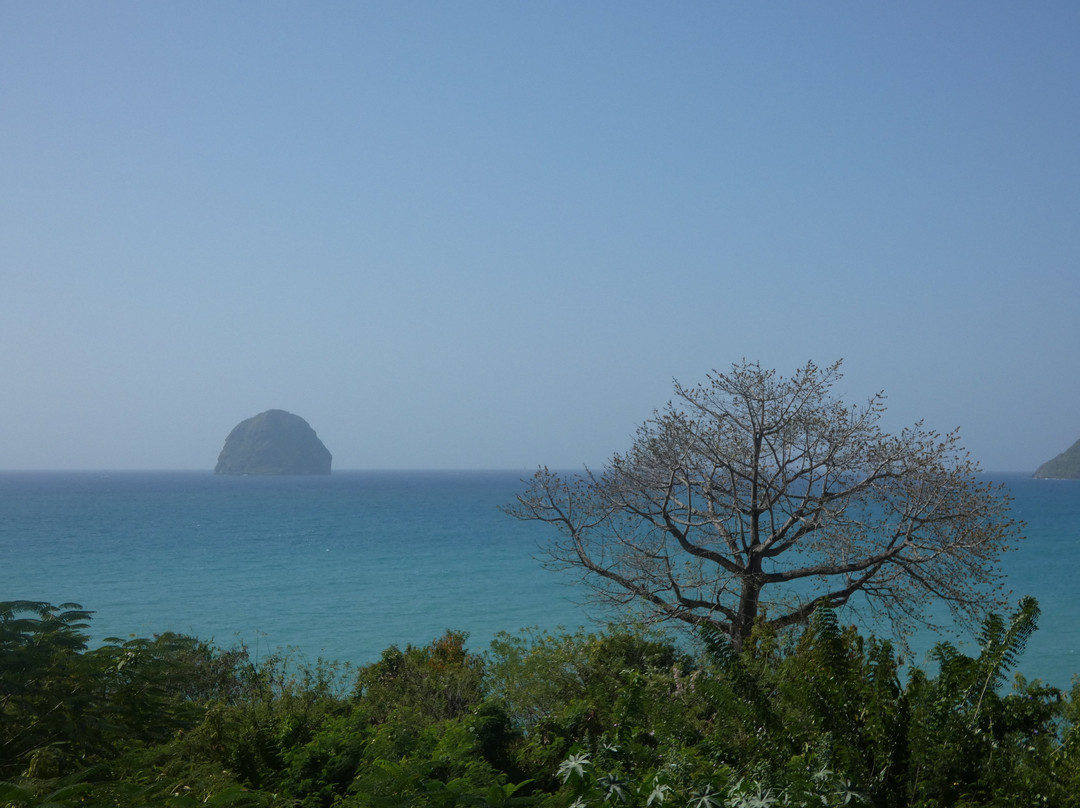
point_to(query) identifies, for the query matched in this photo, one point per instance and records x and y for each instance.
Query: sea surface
(344, 566)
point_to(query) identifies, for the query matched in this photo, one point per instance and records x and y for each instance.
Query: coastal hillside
(1066, 466)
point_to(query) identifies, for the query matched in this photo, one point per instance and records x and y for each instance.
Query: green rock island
(1066, 466)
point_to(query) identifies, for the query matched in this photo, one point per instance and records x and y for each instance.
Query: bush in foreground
(620, 717)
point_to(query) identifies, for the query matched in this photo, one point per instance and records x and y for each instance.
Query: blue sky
(489, 235)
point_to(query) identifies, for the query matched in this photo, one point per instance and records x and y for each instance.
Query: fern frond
(825, 632)
(824, 623)
(1002, 648)
(718, 645)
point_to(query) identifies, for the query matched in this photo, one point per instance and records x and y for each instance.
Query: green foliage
(559, 690)
(1002, 647)
(441, 681)
(44, 693)
(67, 710)
(623, 717)
(973, 743)
(843, 703)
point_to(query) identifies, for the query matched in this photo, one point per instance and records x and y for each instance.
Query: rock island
(273, 442)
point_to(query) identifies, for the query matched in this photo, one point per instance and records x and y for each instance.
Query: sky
(491, 235)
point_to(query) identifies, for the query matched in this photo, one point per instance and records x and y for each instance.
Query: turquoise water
(346, 565)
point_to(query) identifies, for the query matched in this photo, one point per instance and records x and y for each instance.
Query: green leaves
(441, 680)
(1002, 646)
(620, 718)
(967, 736)
(45, 686)
(574, 766)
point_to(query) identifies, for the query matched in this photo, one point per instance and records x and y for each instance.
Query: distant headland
(1066, 466)
(273, 442)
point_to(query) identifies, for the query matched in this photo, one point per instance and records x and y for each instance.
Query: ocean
(344, 566)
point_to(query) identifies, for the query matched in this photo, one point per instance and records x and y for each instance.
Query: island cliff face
(1066, 466)
(273, 442)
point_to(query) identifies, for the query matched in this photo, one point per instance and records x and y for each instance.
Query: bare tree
(755, 498)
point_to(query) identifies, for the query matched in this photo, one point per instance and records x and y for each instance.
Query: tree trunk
(749, 601)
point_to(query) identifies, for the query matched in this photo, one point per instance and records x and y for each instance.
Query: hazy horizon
(525, 471)
(489, 236)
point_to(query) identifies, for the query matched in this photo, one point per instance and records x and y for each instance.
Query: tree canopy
(756, 498)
